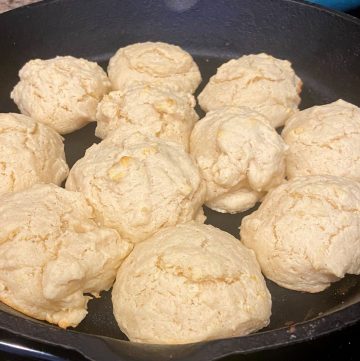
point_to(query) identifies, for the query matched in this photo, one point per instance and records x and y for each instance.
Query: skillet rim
(345, 16)
(97, 347)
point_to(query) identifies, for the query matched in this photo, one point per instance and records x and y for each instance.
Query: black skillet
(324, 47)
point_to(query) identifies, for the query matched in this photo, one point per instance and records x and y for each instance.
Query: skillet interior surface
(324, 48)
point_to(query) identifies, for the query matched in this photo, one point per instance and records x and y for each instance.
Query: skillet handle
(24, 351)
(17, 347)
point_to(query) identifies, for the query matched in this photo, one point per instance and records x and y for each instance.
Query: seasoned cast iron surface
(289, 307)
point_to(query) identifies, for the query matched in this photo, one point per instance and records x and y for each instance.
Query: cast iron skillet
(324, 47)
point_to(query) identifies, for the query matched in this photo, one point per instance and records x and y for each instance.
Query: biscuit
(62, 92)
(306, 232)
(190, 283)
(240, 156)
(52, 252)
(139, 184)
(164, 113)
(30, 153)
(154, 63)
(324, 140)
(258, 81)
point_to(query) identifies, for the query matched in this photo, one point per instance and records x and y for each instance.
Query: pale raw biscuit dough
(261, 82)
(52, 252)
(306, 232)
(62, 92)
(165, 113)
(190, 283)
(240, 156)
(139, 184)
(154, 63)
(30, 153)
(324, 140)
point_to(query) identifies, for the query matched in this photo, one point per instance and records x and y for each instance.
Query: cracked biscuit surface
(306, 232)
(164, 113)
(139, 184)
(258, 81)
(52, 252)
(30, 153)
(190, 283)
(240, 156)
(154, 63)
(324, 140)
(62, 92)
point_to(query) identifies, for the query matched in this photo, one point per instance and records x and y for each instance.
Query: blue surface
(338, 4)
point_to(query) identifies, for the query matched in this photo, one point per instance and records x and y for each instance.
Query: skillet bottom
(289, 307)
